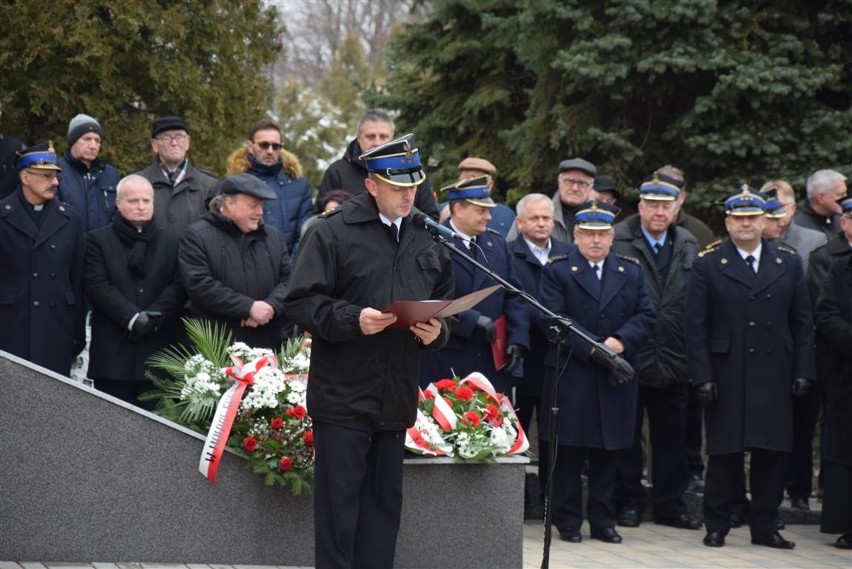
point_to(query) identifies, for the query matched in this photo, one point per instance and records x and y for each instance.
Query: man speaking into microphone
(470, 348)
(353, 262)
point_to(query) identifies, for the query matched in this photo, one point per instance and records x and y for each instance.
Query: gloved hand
(620, 370)
(516, 354)
(146, 322)
(486, 329)
(801, 387)
(706, 393)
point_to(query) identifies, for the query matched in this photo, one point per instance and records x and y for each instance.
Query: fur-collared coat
(293, 206)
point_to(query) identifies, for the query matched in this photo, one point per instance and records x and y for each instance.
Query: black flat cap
(578, 164)
(249, 185)
(167, 123)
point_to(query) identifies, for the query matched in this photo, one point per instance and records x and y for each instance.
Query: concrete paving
(649, 545)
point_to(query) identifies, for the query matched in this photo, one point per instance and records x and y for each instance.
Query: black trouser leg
(603, 465)
(766, 480)
(800, 470)
(719, 488)
(667, 425)
(629, 492)
(567, 505)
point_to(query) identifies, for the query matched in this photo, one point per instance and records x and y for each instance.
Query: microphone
(436, 229)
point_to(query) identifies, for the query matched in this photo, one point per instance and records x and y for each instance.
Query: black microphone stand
(559, 330)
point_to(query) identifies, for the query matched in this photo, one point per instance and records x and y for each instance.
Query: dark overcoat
(663, 356)
(592, 412)
(466, 351)
(529, 270)
(347, 262)
(117, 292)
(41, 283)
(225, 270)
(834, 323)
(752, 335)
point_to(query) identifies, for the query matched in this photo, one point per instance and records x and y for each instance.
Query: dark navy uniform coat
(529, 272)
(466, 352)
(41, 283)
(593, 413)
(752, 335)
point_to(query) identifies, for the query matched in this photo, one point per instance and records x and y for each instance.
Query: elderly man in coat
(604, 294)
(41, 267)
(470, 346)
(234, 268)
(749, 344)
(133, 283)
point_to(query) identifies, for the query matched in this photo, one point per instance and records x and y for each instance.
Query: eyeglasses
(266, 145)
(169, 138)
(573, 182)
(45, 175)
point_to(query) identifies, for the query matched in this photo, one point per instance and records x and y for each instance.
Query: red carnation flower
(428, 395)
(446, 384)
(492, 415)
(276, 423)
(309, 438)
(471, 418)
(464, 393)
(250, 443)
(285, 464)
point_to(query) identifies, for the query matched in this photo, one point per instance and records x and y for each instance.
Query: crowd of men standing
(731, 327)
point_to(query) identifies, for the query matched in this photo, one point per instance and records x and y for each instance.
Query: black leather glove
(556, 331)
(486, 329)
(620, 370)
(516, 354)
(146, 322)
(801, 387)
(706, 393)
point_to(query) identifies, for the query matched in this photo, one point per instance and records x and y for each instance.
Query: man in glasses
(181, 191)
(264, 156)
(576, 179)
(41, 267)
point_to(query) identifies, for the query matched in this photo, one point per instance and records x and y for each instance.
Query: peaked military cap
(595, 215)
(472, 190)
(774, 207)
(396, 162)
(248, 184)
(660, 187)
(747, 201)
(38, 157)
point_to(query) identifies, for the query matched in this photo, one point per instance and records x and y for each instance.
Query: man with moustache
(41, 267)
(354, 262)
(133, 284)
(750, 351)
(604, 295)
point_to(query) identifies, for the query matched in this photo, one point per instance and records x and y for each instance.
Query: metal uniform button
(751, 350)
(751, 324)
(35, 303)
(35, 275)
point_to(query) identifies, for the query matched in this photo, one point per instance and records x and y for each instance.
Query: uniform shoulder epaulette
(552, 260)
(494, 231)
(633, 260)
(710, 248)
(331, 212)
(787, 249)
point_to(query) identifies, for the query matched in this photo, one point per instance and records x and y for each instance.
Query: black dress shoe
(738, 520)
(682, 521)
(629, 519)
(773, 539)
(714, 539)
(779, 523)
(800, 504)
(570, 535)
(608, 535)
(844, 541)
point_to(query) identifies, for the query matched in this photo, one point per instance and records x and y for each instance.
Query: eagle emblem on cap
(407, 147)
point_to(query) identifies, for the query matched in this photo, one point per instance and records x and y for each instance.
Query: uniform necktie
(394, 232)
(598, 270)
(657, 248)
(471, 243)
(750, 262)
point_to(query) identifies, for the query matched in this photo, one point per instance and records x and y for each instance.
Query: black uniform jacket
(347, 262)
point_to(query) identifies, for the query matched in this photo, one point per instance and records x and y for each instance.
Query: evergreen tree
(728, 91)
(128, 62)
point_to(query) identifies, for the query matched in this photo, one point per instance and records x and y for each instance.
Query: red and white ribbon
(442, 411)
(226, 412)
